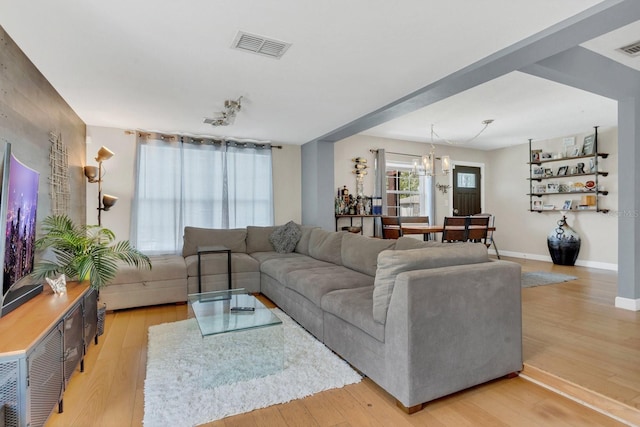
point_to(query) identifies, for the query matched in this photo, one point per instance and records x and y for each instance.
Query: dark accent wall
(30, 108)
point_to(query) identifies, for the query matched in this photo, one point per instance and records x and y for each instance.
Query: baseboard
(628, 303)
(605, 405)
(580, 263)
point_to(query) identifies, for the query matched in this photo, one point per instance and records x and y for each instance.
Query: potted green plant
(84, 252)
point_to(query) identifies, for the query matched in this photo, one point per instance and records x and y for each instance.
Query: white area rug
(180, 365)
(539, 278)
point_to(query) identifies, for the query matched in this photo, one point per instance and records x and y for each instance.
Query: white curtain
(380, 187)
(183, 181)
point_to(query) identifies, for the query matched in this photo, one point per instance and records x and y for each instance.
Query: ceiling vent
(260, 45)
(632, 50)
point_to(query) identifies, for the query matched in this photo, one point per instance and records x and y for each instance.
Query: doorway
(467, 190)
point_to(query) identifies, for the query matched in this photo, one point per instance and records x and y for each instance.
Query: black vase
(563, 243)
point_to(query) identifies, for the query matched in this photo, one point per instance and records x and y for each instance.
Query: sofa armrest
(451, 328)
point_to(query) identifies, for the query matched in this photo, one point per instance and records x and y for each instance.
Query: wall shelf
(539, 174)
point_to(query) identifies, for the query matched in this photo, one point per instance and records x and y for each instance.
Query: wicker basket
(102, 313)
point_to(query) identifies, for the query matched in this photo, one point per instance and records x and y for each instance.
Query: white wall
(287, 184)
(518, 232)
(119, 180)
(523, 233)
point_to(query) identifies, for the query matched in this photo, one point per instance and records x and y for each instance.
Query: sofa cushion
(354, 307)
(326, 245)
(216, 263)
(279, 268)
(405, 242)
(258, 238)
(266, 256)
(163, 267)
(233, 239)
(285, 238)
(303, 244)
(392, 263)
(360, 253)
(314, 283)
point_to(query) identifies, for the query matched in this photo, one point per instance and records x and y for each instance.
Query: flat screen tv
(18, 204)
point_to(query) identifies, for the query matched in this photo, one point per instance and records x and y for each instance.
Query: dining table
(426, 230)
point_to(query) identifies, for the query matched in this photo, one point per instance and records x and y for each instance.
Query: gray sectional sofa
(421, 319)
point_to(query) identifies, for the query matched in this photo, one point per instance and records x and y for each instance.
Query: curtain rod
(223, 139)
(373, 150)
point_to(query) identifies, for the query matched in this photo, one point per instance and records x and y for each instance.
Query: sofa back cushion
(360, 253)
(303, 244)
(326, 245)
(258, 238)
(405, 242)
(392, 263)
(233, 239)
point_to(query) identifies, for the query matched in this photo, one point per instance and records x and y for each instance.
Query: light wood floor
(571, 331)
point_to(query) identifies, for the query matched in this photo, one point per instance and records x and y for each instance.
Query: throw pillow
(285, 238)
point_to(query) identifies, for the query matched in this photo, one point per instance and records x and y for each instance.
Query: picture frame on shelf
(589, 145)
(574, 151)
(562, 170)
(566, 206)
(540, 188)
(537, 205)
(546, 156)
(535, 155)
(538, 172)
(548, 172)
(552, 187)
(548, 207)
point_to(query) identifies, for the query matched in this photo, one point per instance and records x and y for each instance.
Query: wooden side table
(213, 250)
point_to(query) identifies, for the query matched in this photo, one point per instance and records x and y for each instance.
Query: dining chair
(477, 228)
(391, 227)
(490, 239)
(454, 229)
(418, 220)
(423, 220)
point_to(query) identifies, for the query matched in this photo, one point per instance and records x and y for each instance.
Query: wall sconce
(94, 175)
(443, 187)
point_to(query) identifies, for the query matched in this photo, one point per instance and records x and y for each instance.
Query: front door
(466, 190)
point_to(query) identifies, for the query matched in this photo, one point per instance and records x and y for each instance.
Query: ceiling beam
(591, 23)
(584, 69)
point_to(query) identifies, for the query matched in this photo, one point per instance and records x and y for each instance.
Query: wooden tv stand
(42, 342)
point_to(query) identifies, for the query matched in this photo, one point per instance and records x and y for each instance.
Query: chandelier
(426, 165)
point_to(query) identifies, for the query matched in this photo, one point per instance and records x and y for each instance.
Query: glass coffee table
(241, 338)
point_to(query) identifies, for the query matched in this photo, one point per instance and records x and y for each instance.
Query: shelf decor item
(564, 243)
(589, 145)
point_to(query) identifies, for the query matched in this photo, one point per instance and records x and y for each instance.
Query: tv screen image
(18, 205)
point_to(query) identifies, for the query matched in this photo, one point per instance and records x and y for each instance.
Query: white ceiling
(163, 65)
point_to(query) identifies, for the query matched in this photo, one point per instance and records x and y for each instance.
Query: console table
(42, 342)
(362, 217)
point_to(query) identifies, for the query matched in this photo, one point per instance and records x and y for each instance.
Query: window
(182, 182)
(405, 193)
(466, 180)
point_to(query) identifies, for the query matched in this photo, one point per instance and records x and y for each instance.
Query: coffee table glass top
(230, 310)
